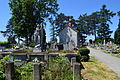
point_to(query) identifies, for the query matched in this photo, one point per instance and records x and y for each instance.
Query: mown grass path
(110, 61)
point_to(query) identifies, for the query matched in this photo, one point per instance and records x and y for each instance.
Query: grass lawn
(113, 54)
(95, 70)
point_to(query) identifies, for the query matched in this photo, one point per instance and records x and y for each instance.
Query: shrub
(60, 47)
(83, 51)
(85, 58)
(24, 72)
(83, 54)
(32, 44)
(60, 67)
(19, 51)
(2, 66)
(5, 44)
(78, 58)
(67, 51)
(27, 50)
(2, 76)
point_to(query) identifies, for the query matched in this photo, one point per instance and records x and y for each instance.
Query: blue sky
(68, 7)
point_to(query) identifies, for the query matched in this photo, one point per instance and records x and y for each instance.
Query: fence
(38, 70)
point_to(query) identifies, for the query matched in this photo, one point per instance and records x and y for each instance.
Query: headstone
(37, 48)
(73, 60)
(76, 71)
(104, 42)
(37, 71)
(9, 71)
(46, 57)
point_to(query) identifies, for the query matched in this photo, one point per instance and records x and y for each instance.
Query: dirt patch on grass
(94, 69)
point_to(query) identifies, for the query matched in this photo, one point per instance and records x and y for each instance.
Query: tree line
(27, 14)
(96, 24)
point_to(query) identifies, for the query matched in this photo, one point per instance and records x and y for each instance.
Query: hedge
(83, 54)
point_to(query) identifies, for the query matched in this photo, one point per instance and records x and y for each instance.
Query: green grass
(57, 65)
(113, 54)
(95, 70)
(61, 51)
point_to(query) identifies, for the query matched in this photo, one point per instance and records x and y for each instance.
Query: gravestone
(37, 72)
(9, 71)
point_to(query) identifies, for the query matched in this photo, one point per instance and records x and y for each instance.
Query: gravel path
(110, 61)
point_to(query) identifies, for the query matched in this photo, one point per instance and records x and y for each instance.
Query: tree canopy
(99, 23)
(27, 14)
(104, 32)
(59, 23)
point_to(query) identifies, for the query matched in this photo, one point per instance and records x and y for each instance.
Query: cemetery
(35, 64)
(38, 61)
(42, 43)
(108, 48)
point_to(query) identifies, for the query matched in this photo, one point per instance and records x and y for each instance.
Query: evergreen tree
(82, 28)
(104, 33)
(53, 29)
(92, 23)
(9, 33)
(59, 23)
(117, 32)
(9, 29)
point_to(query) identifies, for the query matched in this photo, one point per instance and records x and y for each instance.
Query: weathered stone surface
(76, 71)
(9, 71)
(37, 71)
